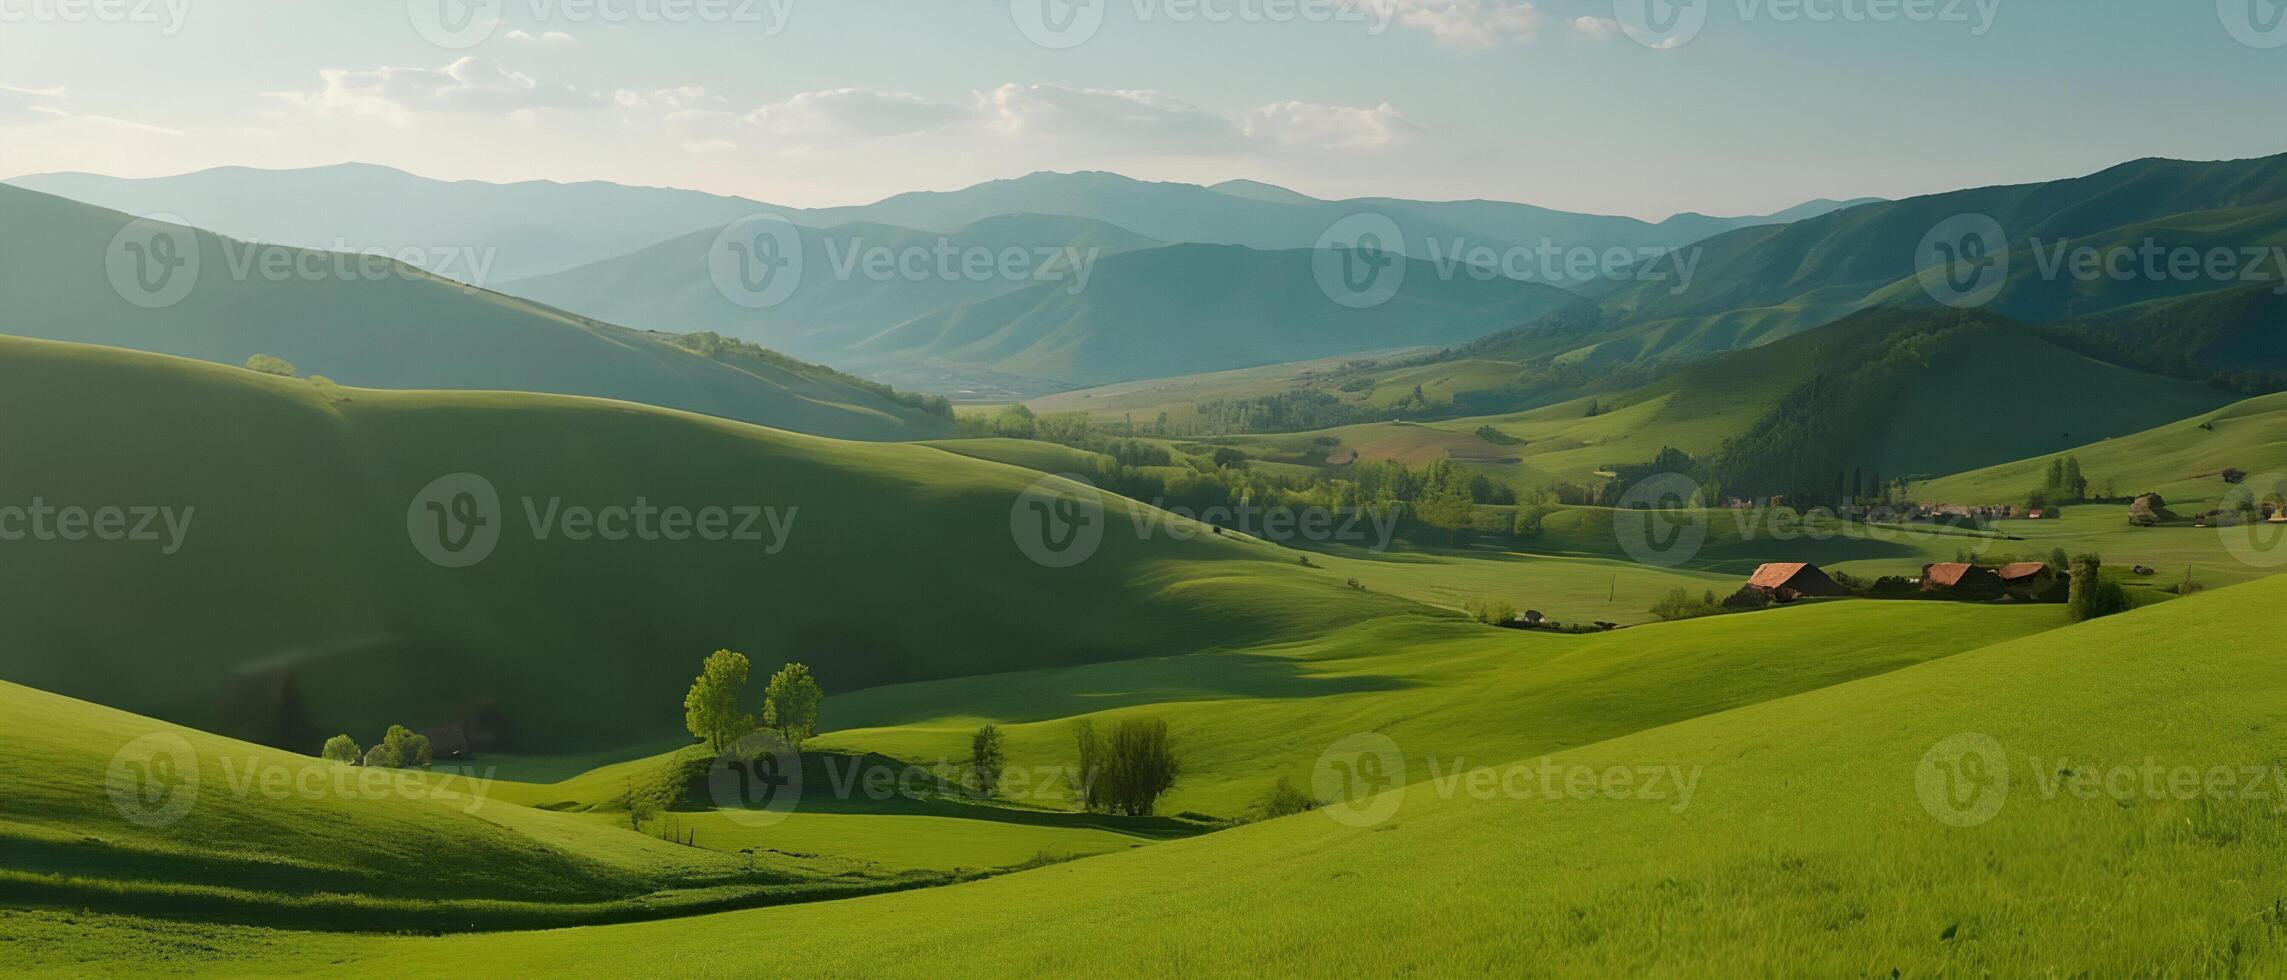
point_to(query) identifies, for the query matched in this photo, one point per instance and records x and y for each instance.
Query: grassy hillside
(1806, 845)
(260, 835)
(378, 324)
(2183, 461)
(1185, 309)
(298, 558)
(840, 300)
(1759, 284)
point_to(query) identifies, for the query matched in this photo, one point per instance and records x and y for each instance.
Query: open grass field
(1811, 841)
(297, 558)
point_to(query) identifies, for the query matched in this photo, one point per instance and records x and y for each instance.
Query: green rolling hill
(1758, 284)
(1813, 838)
(841, 298)
(385, 325)
(897, 562)
(2183, 461)
(1186, 309)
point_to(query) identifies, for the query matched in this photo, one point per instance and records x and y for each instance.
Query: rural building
(2033, 580)
(1962, 580)
(1794, 580)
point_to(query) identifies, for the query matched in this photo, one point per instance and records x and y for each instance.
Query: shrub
(1679, 604)
(1491, 612)
(341, 749)
(267, 364)
(1285, 800)
(1748, 597)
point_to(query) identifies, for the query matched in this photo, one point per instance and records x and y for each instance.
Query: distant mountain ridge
(385, 325)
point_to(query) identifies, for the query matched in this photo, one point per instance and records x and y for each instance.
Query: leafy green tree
(790, 704)
(341, 749)
(408, 747)
(381, 757)
(711, 708)
(987, 759)
(1143, 767)
(2092, 597)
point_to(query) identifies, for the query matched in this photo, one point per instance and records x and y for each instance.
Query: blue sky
(811, 102)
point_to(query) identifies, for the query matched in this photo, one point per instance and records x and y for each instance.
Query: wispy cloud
(1468, 23)
(470, 85)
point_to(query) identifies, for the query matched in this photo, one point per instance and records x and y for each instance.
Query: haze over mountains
(639, 257)
(372, 322)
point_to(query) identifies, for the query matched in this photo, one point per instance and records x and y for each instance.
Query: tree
(711, 709)
(790, 704)
(1143, 765)
(381, 757)
(341, 749)
(271, 365)
(1094, 761)
(641, 807)
(986, 758)
(1226, 457)
(2092, 597)
(410, 749)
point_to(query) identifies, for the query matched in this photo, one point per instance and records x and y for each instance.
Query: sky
(1637, 107)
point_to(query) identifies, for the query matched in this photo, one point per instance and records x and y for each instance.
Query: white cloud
(1141, 118)
(1468, 23)
(25, 106)
(1596, 28)
(543, 38)
(1305, 125)
(470, 85)
(855, 112)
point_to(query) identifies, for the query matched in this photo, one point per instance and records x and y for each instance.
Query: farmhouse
(1961, 579)
(2033, 580)
(1794, 580)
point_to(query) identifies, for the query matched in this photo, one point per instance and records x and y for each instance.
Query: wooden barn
(2035, 581)
(1795, 580)
(1962, 579)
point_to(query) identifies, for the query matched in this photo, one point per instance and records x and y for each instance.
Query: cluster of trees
(1127, 768)
(399, 748)
(712, 711)
(2066, 484)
